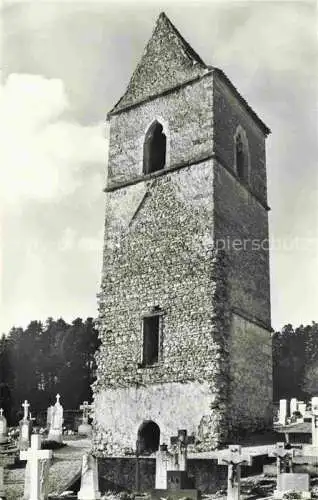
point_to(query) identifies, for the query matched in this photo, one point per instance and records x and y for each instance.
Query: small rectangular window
(150, 340)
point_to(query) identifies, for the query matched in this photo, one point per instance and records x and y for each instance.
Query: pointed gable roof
(168, 61)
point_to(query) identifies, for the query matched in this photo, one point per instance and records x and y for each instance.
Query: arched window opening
(241, 159)
(148, 437)
(154, 149)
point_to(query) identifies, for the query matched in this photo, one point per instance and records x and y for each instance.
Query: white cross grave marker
(85, 429)
(25, 428)
(56, 423)
(85, 407)
(233, 458)
(33, 456)
(25, 407)
(32, 419)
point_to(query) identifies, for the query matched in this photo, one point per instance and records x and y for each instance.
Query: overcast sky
(65, 64)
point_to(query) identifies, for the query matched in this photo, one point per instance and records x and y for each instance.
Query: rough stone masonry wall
(187, 117)
(251, 376)
(241, 218)
(160, 252)
(228, 114)
(241, 228)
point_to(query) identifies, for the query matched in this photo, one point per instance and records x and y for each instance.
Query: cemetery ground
(61, 463)
(66, 466)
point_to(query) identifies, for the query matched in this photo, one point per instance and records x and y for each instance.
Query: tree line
(44, 359)
(295, 362)
(54, 357)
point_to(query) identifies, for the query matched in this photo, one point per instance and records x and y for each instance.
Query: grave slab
(292, 482)
(89, 479)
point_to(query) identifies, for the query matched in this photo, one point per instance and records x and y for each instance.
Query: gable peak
(168, 61)
(164, 19)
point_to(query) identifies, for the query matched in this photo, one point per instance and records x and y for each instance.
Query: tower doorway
(148, 437)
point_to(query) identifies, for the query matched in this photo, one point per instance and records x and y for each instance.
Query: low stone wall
(117, 474)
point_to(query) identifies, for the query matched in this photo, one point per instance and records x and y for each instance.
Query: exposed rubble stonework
(188, 245)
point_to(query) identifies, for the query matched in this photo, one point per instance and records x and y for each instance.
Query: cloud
(287, 42)
(52, 176)
(271, 36)
(42, 153)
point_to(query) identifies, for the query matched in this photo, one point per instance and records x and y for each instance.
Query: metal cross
(233, 458)
(281, 454)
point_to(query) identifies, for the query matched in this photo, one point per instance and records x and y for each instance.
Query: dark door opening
(148, 437)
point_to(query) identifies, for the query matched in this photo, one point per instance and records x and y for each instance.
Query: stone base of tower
(250, 393)
(121, 414)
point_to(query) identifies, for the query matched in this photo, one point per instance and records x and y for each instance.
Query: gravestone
(164, 461)
(314, 428)
(234, 458)
(85, 429)
(302, 408)
(312, 450)
(293, 406)
(292, 483)
(172, 479)
(49, 415)
(2, 490)
(89, 479)
(35, 485)
(282, 411)
(56, 425)
(25, 428)
(3, 428)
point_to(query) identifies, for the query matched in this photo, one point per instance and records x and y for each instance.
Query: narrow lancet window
(154, 149)
(151, 339)
(240, 158)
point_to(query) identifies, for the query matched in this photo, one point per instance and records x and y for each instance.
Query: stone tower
(184, 307)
